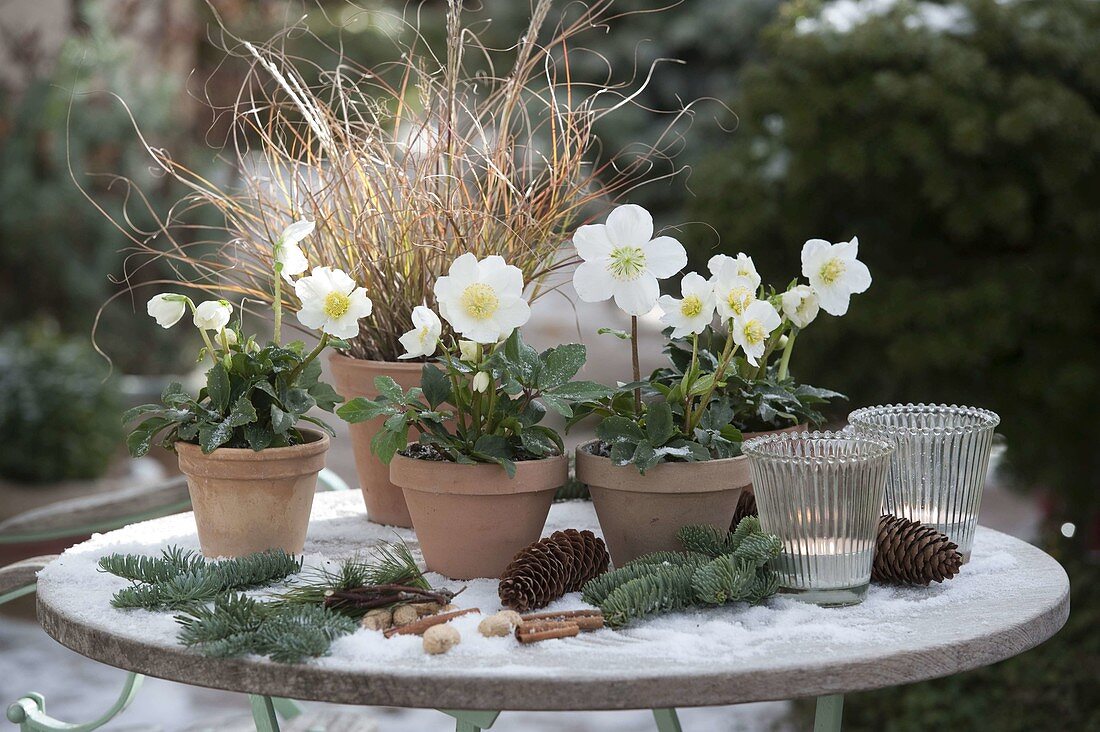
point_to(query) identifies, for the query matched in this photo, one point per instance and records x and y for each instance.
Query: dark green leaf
(298, 401)
(560, 364)
(658, 423)
(558, 404)
(616, 429)
(361, 409)
(131, 414)
(141, 438)
(494, 446)
(326, 397)
(390, 389)
(541, 441)
(218, 387)
(280, 420)
(436, 385)
(579, 391)
(259, 436)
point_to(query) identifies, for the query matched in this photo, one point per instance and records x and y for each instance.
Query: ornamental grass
(405, 166)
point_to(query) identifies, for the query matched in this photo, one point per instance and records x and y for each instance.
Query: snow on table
(1009, 597)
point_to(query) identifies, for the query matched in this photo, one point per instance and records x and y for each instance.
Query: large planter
(640, 514)
(471, 520)
(247, 501)
(355, 378)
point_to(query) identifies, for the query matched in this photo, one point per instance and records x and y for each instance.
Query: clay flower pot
(247, 501)
(746, 436)
(472, 519)
(355, 378)
(640, 514)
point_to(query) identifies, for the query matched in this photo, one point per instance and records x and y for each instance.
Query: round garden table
(1007, 599)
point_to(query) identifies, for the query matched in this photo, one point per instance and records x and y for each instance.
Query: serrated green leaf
(558, 404)
(325, 396)
(298, 401)
(541, 441)
(390, 389)
(131, 414)
(580, 391)
(218, 387)
(435, 384)
(559, 365)
(361, 409)
(140, 439)
(658, 423)
(617, 429)
(280, 421)
(495, 446)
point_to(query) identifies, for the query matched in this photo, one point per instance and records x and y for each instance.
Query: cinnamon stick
(586, 620)
(546, 630)
(417, 627)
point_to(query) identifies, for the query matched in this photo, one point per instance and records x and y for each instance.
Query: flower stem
(277, 303)
(321, 345)
(635, 365)
(692, 369)
(785, 361)
(727, 353)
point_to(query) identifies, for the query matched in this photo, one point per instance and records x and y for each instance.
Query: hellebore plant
(484, 400)
(255, 396)
(720, 381)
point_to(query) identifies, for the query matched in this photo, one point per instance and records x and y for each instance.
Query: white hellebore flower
(481, 381)
(752, 328)
(467, 351)
(287, 251)
(482, 300)
(331, 302)
(424, 337)
(742, 266)
(692, 313)
(621, 260)
(800, 305)
(834, 272)
(733, 290)
(227, 337)
(213, 314)
(167, 308)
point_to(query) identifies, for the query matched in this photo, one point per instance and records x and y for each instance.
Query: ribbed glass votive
(821, 494)
(938, 470)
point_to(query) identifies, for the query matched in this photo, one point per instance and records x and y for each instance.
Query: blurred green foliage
(966, 161)
(57, 251)
(59, 419)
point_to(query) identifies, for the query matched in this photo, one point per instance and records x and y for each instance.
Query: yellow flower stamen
(691, 306)
(755, 332)
(738, 299)
(336, 305)
(627, 263)
(480, 301)
(832, 270)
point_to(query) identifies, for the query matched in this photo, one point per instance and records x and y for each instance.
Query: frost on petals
(421, 341)
(332, 302)
(482, 300)
(834, 272)
(623, 261)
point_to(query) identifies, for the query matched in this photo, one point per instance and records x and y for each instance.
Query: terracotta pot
(794, 428)
(640, 514)
(247, 501)
(472, 519)
(355, 378)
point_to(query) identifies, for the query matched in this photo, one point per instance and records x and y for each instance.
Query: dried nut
(495, 626)
(448, 608)
(514, 618)
(377, 619)
(441, 638)
(404, 614)
(427, 608)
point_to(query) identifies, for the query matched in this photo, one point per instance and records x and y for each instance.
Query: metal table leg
(471, 721)
(666, 720)
(263, 713)
(29, 712)
(830, 710)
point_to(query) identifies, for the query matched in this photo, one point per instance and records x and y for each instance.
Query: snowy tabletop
(1008, 598)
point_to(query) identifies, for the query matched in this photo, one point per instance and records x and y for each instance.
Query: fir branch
(705, 539)
(758, 548)
(172, 563)
(663, 589)
(175, 594)
(596, 590)
(745, 527)
(723, 580)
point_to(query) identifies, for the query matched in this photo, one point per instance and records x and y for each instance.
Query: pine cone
(908, 552)
(547, 569)
(746, 506)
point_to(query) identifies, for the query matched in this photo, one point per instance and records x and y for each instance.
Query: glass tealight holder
(821, 494)
(937, 473)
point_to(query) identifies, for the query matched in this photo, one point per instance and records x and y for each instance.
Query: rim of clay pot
(700, 477)
(316, 443)
(482, 479)
(349, 363)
